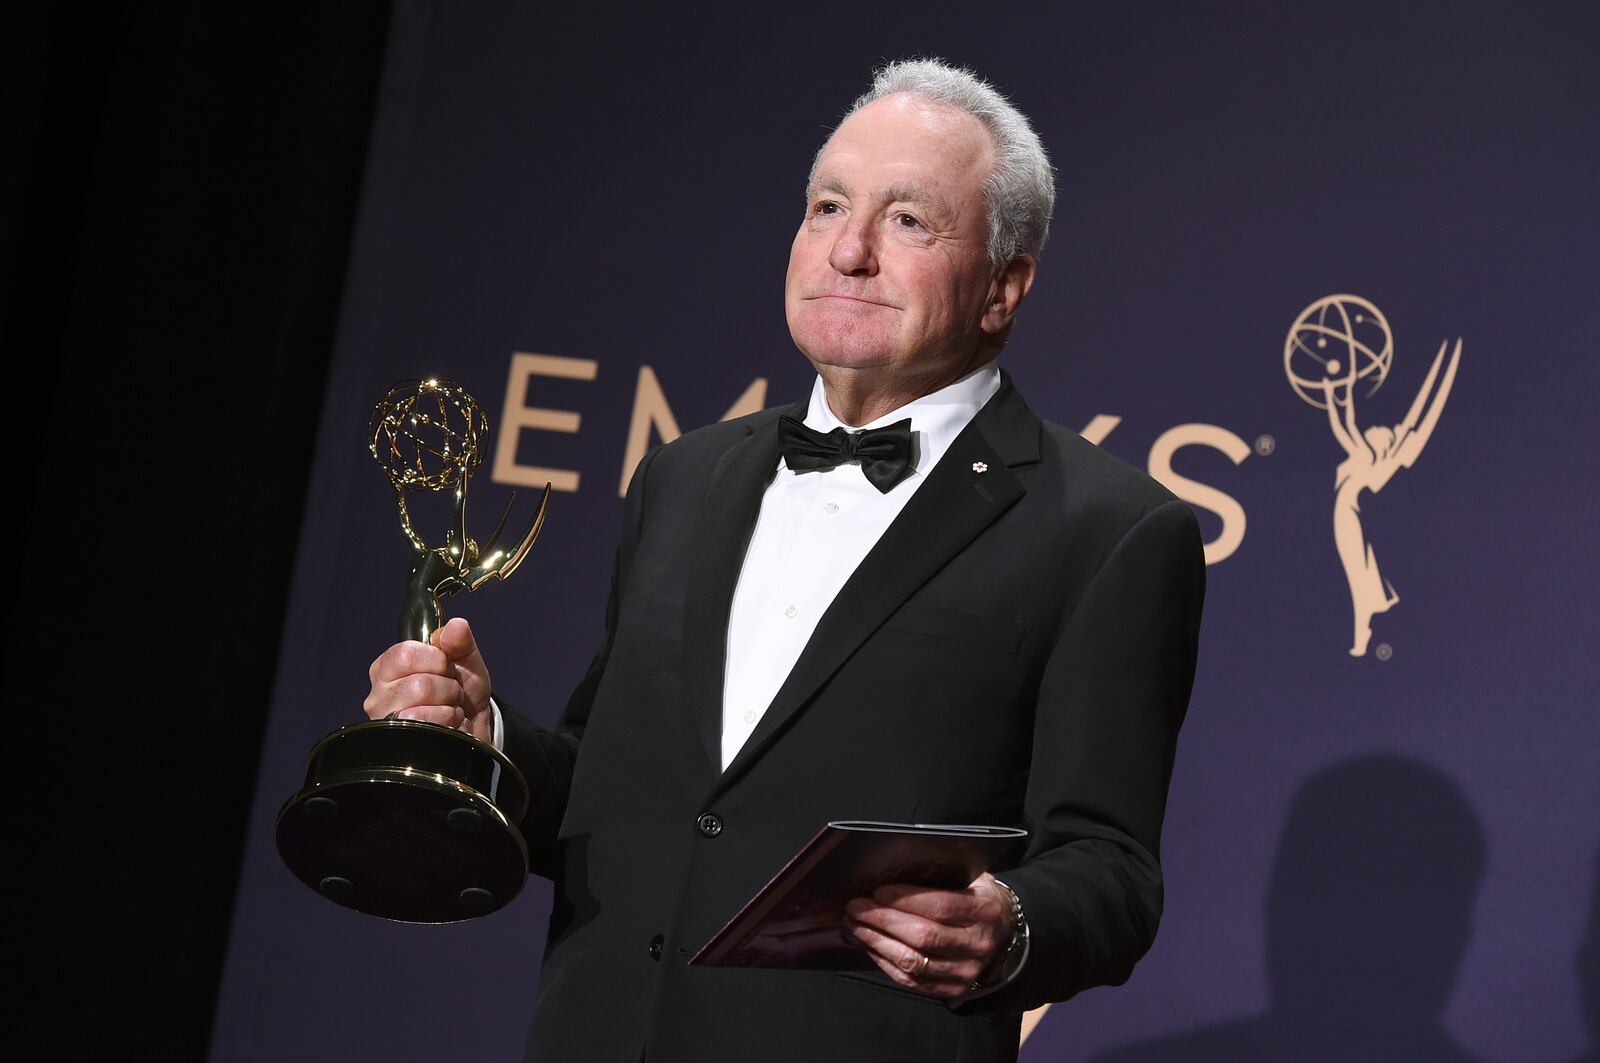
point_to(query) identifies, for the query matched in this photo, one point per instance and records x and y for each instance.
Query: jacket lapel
(948, 512)
(722, 532)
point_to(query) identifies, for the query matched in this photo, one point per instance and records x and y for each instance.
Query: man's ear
(1011, 285)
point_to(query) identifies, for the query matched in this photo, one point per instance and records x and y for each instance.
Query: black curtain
(176, 201)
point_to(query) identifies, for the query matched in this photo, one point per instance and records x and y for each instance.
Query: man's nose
(854, 250)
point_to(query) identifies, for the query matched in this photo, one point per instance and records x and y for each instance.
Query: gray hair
(1019, 196)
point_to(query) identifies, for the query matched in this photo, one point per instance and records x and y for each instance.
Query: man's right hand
(445, 683)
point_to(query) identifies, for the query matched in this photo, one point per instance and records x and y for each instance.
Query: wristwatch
(1016, 947)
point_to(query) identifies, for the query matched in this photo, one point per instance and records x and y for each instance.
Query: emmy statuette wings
(403, 819)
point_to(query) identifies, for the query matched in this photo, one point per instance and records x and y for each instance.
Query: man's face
(889, 271)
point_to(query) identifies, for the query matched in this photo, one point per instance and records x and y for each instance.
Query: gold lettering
(518, 416)
(1199, 494)
(650, 411)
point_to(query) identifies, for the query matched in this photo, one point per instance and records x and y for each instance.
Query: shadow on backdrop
(1589, 971)
(1368, 915)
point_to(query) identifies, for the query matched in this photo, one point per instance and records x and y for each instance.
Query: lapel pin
(979, 466)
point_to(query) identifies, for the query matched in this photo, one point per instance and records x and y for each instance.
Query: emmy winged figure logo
(1338, 351)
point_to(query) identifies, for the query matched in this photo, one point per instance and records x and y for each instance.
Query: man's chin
(845, 346)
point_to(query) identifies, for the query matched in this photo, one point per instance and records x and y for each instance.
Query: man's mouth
(851, 299)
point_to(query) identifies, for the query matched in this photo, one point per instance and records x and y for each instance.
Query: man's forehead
(903, 129)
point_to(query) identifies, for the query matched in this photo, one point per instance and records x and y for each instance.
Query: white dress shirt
(813, 530)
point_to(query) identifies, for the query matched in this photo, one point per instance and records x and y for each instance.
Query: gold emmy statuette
(403, 819)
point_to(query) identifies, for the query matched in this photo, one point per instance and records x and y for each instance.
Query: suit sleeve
(1111, 699)
(548, 757)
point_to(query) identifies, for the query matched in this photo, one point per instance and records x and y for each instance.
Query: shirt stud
(979, 466)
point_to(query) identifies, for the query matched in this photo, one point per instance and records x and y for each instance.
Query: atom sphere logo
(1338, 351)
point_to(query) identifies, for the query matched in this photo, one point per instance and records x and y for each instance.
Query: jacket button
(655, 947)
(709, 824)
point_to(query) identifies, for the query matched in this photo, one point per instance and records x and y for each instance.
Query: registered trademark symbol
(1385, 651)
(1265, 445)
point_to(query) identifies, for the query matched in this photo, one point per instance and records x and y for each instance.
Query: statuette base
(408, 821)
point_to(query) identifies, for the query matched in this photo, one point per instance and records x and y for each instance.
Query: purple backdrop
(1397, 849)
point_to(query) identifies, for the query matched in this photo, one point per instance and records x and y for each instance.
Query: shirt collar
(936, 418)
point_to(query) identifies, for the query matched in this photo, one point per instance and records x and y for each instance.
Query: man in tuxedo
(909, 599)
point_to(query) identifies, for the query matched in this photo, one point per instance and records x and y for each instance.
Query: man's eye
(906, 221)
(825, 208)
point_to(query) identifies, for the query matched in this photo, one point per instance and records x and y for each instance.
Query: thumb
(456, 640)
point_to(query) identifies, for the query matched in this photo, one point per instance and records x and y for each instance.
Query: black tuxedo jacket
(1017, 649)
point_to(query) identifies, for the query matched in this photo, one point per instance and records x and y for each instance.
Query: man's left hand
(937, 942)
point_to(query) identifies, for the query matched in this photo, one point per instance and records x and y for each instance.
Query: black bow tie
(884, 453)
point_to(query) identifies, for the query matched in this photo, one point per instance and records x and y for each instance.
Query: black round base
(391, 824)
